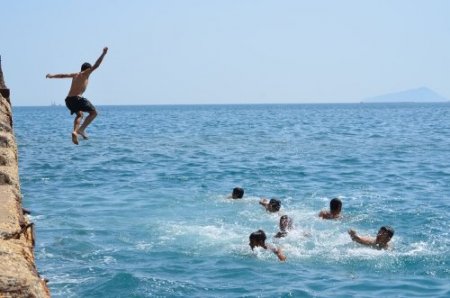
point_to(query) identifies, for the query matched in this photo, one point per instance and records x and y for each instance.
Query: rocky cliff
(18, 274)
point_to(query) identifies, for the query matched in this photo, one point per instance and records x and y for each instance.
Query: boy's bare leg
(76, 124)
(87, 121)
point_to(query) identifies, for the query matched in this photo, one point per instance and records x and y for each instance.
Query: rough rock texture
(18, 274)
(4, 91)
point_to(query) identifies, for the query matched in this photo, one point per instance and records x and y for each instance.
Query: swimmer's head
(85, 66)
(274, 205)
(257, 238)
(285, 223)
(335, 205)
(238, 193)
(385, 234)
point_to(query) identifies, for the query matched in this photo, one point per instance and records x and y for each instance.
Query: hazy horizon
(220, 52)
(62, 104)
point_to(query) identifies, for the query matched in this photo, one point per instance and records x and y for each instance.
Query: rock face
(4, 91)
(18, 274)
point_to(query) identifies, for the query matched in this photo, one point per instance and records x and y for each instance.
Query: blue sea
(141, 208)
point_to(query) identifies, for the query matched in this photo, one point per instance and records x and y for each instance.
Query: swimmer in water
(272, 205)
(238, 193)
(335, 210)
(384, 235)
(258, 239)
(286, 224)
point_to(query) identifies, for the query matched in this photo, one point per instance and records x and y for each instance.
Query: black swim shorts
(78, 103)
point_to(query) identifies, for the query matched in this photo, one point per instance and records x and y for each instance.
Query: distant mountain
(422, 94)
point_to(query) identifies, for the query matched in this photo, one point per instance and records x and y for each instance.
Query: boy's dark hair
(85, 66)
(238, 193)
(335, 204)
(258, 236)
(388, 229)
(274, 205)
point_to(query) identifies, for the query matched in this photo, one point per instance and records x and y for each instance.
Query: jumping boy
(75, 102)
(335, 210)
(384, 235)
(258, 238)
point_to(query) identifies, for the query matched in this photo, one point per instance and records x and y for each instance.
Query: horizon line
(243, 104)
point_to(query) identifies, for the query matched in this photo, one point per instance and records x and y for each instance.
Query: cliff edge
(18, 274)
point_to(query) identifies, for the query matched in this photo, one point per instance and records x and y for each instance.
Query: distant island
(422, 94)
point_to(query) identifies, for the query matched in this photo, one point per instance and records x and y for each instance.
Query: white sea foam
(206, 234)
(144, 246)
(312, 238)
(70, 279)
(37, 218)
(420, 248)
(109, 260)
(43, 253)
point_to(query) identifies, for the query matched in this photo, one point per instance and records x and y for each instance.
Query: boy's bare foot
(83, 134)
(75, 138)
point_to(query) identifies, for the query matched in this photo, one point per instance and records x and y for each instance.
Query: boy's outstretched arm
(61, 76)
(360, 240)
(99, 60)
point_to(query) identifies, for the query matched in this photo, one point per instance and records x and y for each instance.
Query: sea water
(141, 208)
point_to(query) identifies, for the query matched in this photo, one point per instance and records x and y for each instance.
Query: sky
(225, 52)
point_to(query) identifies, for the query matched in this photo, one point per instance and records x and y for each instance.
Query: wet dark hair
(258, 236)
(285, 223)
(388, 229)
(238, 193)
(85, 66)
(274, 205)
(335, 204)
